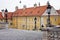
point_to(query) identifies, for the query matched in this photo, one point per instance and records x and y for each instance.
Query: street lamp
(6, 20)
(6, 15)
(35, 23)
(48, 11)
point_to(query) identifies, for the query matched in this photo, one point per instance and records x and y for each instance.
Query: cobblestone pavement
(44, 35)
(16, 34)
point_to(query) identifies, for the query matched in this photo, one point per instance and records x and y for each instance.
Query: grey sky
(10, 4)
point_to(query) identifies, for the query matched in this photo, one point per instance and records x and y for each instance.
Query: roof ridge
(31, 11)
(33, 7)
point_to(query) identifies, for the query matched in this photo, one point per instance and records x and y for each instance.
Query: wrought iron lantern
(49, 12)
(6, 15)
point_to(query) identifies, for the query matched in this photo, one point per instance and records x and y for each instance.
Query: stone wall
(3, 25)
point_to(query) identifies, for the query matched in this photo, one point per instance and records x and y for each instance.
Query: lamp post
(35, 23)
(48, 11)
(6, 15)
(6, 20)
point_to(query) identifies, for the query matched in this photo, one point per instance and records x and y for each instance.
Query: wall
(26, 23)
(53, 20)
(59, 19)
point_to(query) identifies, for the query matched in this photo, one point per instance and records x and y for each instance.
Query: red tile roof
(38, 11)
(58, 11)
(9, 14)
(1, 17)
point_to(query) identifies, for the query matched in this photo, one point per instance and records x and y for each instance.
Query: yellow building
(24, 18)
(58, 17)
(31, 18)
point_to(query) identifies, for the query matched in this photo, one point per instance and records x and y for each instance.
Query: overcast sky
(10, 4)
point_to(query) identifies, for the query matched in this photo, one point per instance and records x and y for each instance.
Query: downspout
(26, 23)
(40, 22)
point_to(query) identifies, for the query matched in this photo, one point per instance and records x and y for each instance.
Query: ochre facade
(27, 23)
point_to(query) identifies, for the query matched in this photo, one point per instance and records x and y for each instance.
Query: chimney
(3, 12)
(24, 7)
(16, 8)
(48, 3)
(39, 3)
(35, 5)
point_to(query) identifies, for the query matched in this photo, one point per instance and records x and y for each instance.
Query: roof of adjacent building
(37, 11)
(1, 17)
(58, 11)
(9, 15)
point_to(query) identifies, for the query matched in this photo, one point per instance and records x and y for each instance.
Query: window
(1, 20)
(25, 12)
(54, 12)
(20, 12)
(11, 19)
(38, 20)
(38, 11)
(10, 23)
(55, 18)
(31, 12)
